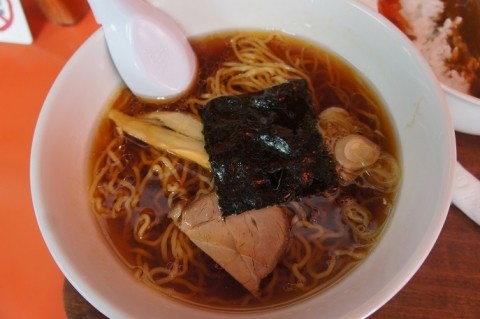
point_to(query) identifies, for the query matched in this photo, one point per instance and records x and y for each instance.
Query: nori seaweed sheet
(265, 148)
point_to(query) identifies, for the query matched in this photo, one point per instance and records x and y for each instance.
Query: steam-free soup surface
(134, 185)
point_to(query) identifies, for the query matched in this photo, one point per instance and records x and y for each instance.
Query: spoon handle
(466, 194)
(100, 8)
(109, 12)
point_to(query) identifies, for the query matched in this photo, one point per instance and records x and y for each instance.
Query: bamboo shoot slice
(162, 138)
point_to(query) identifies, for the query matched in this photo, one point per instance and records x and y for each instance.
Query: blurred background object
(63, 12)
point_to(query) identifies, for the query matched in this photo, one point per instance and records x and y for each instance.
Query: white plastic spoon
(148, 48)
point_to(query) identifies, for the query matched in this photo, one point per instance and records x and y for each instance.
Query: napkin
(466, 193)
(13, 24)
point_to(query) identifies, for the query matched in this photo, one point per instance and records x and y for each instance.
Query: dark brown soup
(134, 185)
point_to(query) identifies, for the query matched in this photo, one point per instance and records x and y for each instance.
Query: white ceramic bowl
(414, 100)
(465, 110)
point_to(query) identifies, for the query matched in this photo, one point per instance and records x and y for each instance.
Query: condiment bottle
(63, 12)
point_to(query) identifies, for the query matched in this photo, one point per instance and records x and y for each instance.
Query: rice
(432, 39)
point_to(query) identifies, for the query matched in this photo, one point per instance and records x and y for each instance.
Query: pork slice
(248, 245)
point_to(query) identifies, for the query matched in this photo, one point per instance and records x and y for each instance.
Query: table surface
(446, 286)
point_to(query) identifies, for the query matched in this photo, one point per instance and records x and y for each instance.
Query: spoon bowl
(148, 48)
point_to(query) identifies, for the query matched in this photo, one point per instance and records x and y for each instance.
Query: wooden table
(31, 286)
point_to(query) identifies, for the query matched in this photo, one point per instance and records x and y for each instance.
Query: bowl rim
(464, 107)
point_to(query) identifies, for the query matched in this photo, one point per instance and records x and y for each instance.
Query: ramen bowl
(381, 54)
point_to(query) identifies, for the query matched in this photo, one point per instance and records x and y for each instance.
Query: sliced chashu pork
(248, 245)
